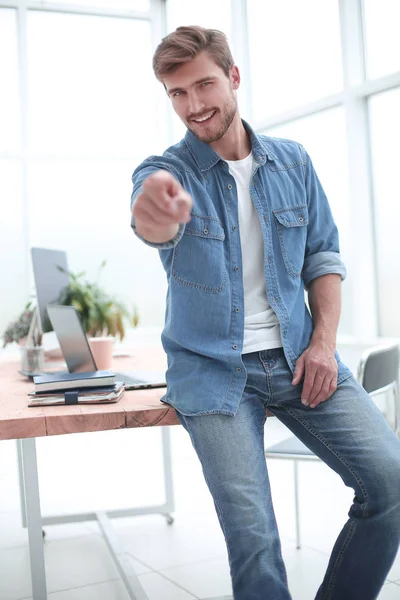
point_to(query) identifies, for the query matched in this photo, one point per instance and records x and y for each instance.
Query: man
(243, 226)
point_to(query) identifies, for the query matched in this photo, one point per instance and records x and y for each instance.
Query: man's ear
(235, 77)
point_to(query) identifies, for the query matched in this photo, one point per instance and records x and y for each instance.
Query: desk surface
(141, 408)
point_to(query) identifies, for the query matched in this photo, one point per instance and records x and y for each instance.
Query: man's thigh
(231, 451)
(348, 432)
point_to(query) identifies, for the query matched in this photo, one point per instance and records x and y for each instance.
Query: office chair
(378, 373)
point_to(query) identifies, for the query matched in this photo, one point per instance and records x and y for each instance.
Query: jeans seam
(268, 374)
(332, 579)
(342, 460)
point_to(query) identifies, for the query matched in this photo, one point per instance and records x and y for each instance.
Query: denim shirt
(204, 318)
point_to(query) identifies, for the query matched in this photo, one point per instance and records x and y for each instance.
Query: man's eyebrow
(178, 89)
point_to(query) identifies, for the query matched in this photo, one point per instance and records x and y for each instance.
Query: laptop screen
(49, 280)
(72, 338)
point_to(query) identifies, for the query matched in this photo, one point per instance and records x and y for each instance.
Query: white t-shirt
(261, 325)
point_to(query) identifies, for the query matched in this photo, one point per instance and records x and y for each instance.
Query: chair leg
(296, 501)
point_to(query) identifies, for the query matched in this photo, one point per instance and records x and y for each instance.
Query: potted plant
(101, 314)
(17, 331)
(32, 351)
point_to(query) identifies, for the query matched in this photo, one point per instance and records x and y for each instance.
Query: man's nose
(196, 105)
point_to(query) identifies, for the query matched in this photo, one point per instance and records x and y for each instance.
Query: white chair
(378, 373)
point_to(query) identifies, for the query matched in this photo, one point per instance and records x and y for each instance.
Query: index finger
(308, 384)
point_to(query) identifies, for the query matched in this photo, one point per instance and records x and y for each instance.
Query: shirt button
(229, 186)
(236, 269)
(234, 347)
(301, 219)
(205, 230)
(238, 369)
(233, 227)
(236, 309)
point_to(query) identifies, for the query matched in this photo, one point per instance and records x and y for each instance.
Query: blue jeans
(349, 434)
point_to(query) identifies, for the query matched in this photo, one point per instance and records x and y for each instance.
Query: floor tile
(112, 590)
(191, 538)
(159, 588)
(155, 586)
(206, 579)
(70, 563)
(390, 591)
(305, 571)
(394, 573)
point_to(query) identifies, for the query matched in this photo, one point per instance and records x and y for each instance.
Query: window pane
(382, 25)
(82, 206)
(9, 97)
(210, 14)
(93, 97)
(385, 133)
(13, 277)
(329, 155)
(295, 54)
(132, 5)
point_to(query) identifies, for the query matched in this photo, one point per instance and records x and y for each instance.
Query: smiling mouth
(205, 119)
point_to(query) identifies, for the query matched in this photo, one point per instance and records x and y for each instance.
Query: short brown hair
(185, 43)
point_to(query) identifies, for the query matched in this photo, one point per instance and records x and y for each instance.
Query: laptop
(78, 355)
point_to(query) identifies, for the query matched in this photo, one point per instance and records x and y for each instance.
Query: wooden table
(139, 408)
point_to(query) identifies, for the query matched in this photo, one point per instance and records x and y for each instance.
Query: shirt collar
(206, 157)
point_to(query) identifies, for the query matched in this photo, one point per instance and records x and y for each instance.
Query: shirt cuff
(323, 263)
(161, 245)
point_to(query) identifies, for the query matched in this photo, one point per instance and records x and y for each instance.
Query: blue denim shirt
(204, 318)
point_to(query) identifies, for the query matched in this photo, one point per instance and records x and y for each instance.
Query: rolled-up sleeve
(322, 255)
(139, 175)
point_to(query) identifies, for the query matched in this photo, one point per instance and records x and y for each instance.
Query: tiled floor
(179, 562)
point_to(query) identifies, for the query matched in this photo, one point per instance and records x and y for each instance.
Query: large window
(12, 221)
(89, 116)
(382, 25)
(385, 133)
(294, 53)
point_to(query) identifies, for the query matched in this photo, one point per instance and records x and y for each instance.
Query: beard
(212, 133)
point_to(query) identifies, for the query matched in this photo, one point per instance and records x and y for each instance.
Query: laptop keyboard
(128, 379)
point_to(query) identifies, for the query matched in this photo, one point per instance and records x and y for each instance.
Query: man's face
(204, 97)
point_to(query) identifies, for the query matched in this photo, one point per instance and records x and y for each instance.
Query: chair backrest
(378, 372)
(379, 367)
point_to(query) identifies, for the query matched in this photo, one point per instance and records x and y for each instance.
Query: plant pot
(102, 350)
(32, 359)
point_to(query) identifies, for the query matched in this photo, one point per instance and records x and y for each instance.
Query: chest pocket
(199, 259)
(291, 226)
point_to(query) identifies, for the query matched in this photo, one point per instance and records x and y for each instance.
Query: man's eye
(205, 83)
(176, 94)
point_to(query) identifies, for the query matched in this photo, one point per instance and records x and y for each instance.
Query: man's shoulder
(285, 151)
(176, 159)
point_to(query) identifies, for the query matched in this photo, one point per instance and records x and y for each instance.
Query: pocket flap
(297, 216)
(207, 227)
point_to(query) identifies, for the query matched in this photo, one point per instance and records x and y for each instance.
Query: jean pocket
(199, 258)
(291, 226)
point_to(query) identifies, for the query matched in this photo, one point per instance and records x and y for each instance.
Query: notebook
(78, 396)
(66, 381)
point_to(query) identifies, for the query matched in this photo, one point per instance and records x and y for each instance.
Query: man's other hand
(319, 368)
